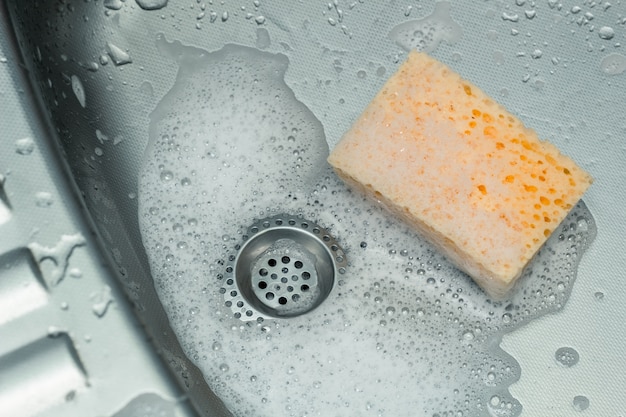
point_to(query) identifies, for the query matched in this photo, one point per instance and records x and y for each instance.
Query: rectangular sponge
(465, 173)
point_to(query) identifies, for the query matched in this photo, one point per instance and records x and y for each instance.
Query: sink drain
(286, 267)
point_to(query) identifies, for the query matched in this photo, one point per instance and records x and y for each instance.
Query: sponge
(461, 170)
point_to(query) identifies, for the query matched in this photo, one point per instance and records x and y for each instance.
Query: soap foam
(404, 333)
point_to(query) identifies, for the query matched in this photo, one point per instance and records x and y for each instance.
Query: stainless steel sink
(131, 194)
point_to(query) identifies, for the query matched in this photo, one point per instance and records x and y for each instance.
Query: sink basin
(175, 243)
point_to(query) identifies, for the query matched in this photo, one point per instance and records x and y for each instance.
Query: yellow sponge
(437, 151)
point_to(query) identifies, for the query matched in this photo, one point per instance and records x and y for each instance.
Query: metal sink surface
(93, 320)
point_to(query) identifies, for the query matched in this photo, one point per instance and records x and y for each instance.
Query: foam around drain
(402, 332)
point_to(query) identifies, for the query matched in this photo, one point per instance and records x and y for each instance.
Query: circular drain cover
(286, 267)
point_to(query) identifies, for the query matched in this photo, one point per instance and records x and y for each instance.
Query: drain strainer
(286, 267)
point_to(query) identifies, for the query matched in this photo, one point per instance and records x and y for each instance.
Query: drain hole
(282, 270)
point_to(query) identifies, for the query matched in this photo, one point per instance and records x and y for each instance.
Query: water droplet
(599, 295)
(537, 53)
(224, 16)
(102, 300)
(113, 4)
(216, 346)
(390, 311)
(259, 20)
(55, 331)
(152, 4)
(468, 335)
(75, 273)
(224, 367)
(118, 55)
(43, 199)
(79, 90)
(613, 64)
(167, 175)
(580, 403)
(24, 146)
(606, 32)
(185, 182)
(511, 17)
(566, 356)
(530, 14)
(59, 255)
